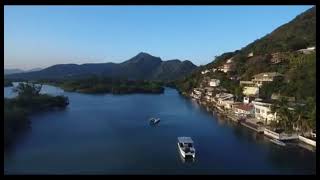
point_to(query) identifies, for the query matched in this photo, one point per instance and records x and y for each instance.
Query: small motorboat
(278, 142)
(186, 148)
(154, 120)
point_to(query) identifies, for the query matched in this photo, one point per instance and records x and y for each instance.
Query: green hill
(275, 52)
(285, 40)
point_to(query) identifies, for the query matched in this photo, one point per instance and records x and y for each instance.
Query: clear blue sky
(41, 36)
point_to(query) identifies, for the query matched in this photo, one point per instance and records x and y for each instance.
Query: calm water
(110, 134)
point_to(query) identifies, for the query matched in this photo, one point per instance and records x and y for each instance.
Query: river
(110, 134)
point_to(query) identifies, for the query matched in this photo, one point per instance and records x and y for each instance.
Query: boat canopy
(185, 140)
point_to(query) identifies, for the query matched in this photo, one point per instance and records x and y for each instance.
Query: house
(250, 54)
(261, 78)
(214, 82)
(208, 96)
(225, 100)
(250, 91)
(234, 78)
(247, 100)
(209, 93)
(247, 83)
(277, 58)
(249, 88)
(205, 71)
(243, 109)
(228, 67)
(308, 50)
(227, 104)
(196, 93)
(262, 111)
(224, 96)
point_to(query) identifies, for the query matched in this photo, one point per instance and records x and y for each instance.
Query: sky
(41, 36)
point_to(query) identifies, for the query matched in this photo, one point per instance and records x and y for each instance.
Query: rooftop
(245, 107)
(267, 74)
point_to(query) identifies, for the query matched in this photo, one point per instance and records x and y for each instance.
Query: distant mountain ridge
(14, 71)
(143, 66)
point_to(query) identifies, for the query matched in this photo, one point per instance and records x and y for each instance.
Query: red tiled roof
(245, 107)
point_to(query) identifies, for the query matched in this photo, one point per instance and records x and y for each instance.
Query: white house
(205, 71)
(227, 67)
(308, 50)
(225, 99)
(227, 104)
(243, 109)
(250, 54)
(208, 96)
(247, 83)
(214, 82)
(209, 93)
(196, 93)
(262, 111)
(250, 91)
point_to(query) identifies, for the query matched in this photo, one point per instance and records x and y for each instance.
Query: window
(257, 110)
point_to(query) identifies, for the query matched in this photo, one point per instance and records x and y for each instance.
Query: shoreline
(259, 129)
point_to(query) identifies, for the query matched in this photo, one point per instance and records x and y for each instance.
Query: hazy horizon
(41, 36)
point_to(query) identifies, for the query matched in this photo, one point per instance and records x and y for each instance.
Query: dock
(253, 126)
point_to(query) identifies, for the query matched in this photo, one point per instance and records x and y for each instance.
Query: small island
(28, 101)
(98, 85)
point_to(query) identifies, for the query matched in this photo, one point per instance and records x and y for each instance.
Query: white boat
(277, 142)
(154, 120)
(186, 148)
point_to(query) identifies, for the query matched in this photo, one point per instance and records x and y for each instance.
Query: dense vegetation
(297, 34)
(97, 84)
(298, 117)
(28, 101)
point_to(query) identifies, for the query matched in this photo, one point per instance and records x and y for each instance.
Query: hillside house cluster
(210, 91)
(228, 66)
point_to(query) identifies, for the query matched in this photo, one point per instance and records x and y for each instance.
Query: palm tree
(300, 119)
(283, 113)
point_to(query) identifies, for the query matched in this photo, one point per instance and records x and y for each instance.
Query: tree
(238, 93)
(27, 90)
(284, 114)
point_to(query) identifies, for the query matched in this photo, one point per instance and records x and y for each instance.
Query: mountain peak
(143, 54)
(143, 57)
